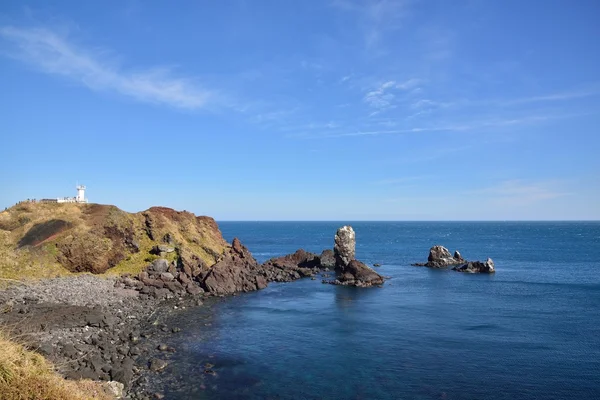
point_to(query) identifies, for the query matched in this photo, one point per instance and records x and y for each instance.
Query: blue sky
(306, 110)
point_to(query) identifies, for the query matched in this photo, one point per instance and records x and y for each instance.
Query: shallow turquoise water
(531, 331)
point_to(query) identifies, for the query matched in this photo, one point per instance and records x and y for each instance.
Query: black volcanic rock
(358, 274)
(291, 267)
(327, 259)
(237, 271)
(440, 257)
(475, 267)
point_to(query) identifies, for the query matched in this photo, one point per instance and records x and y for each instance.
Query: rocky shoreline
(114, 329)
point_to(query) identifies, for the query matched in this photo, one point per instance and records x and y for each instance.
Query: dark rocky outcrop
(440, 257)
(237, 271)
(350, 271)
(327, 259)
(358, 274)
(294, 266)
(475, 267)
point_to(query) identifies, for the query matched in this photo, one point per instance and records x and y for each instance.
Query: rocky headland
(111, 279)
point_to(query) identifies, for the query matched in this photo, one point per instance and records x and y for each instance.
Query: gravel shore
(91, 327)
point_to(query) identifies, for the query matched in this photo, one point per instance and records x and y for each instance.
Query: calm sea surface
(531, 331)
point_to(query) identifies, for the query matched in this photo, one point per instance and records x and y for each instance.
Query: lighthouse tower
(80, 194)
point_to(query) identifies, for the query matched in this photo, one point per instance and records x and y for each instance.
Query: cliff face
(48, 239)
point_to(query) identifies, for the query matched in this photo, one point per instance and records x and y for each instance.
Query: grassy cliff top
(40, 240)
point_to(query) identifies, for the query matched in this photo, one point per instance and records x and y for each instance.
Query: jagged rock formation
(350, 271)
(475, 267)
(237, 271)
(294, 266)
(440, 257)
(345, 246)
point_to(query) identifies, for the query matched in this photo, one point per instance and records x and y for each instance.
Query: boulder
(345, 246)
(157, 365)
(475, 267)
(161, 249)
(166, 276)
(114, 389)
(160, 265)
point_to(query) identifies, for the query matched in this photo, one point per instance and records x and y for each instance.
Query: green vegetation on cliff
(50, 239)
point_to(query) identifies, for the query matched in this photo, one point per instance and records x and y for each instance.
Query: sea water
(530, 331)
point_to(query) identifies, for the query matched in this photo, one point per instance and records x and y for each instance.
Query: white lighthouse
(80, 194)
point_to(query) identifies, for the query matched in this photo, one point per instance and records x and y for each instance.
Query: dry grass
(88, 226)
(27, 375)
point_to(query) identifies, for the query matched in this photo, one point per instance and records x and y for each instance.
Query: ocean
(530, 331)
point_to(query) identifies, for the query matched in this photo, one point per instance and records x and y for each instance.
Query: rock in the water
(457, 255)
(358, 274)
(237, 271)
(291, 267)
(440, 257)
(157, 365)
(349, 270)
(345, 246)
(327, 259)
(475, 267)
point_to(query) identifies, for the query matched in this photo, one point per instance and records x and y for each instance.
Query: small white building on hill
(80, 198)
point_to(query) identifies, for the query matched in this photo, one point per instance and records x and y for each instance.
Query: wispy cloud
(384, 96)
(381, 98)
(54, 54)
(521, 193)
(376, 16)
(482, 125)
(555, 97)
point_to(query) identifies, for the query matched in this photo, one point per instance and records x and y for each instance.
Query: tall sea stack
(351, 272)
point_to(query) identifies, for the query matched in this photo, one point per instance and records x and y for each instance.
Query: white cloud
(384, 96)
(520, 193)
(375, 17)
(54, 54)
(381, 98)
(409, 84)
(554, 97)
